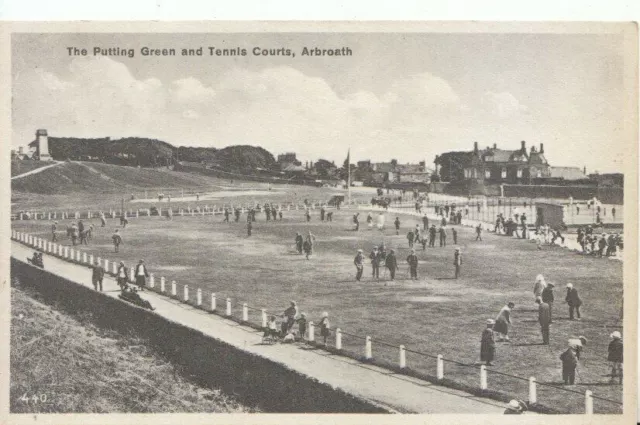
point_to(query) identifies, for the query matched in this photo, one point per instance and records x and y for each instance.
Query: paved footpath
(397, 392)
(36, 171)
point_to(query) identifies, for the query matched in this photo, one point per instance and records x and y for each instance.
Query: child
(272, 328)
(325, 327)
(302, 325)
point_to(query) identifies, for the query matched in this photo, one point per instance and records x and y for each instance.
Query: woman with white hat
(615, 355)
(515, 407)
(488, 344)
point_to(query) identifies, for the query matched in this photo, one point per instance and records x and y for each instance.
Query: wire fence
(366, 348)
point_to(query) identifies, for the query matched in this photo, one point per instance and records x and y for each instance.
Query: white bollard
(588, 402)
(312, 332)
(483, 377)
(114, 267)
(245, 312)
(440, 367)
(533, 393)
(152, 281)
(228, 306)
(132, 274)
(338, 339)
(367, 348)
(106, 265)
(66, 252)
(213, 302)
(137, 213)
(174, 288)
(84, 257)
(162, 284)
(403, 357)
(199, 297)
(264, 318)
(186, 293)
(91, 259)
(72, 254)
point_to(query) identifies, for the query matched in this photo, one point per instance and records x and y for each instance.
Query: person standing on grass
(307, 247)
(290, 315)
(615, 356)
(410, 238)
(97, 276)
(425, 222)
(226, 215)
(117, 240)
(80, 226)
(54, 227)
(503, 320)
(443, 237)
(573, 300)
(299, 242)
(488, 344)
(391, 262)
(322, 212)
(103, 220)
(141, 275)
(74, 234)
(454, 233)
(457, 261)
(359, 263)
(538, 286)
(375, 263)
(249, 226)
(544, 318)
(569, 364)
(121, 275)
(325, 327)
(548, 298)
(302, 325)
(432, 236)
(412, 260)
(397, 224)
(307, 215)
(479, 232)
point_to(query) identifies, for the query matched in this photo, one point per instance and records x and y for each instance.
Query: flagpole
(349, 175)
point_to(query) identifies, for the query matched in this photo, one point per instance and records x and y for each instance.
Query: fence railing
(257, 317)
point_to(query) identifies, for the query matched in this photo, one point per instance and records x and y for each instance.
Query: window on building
(503, 174)
(487, 174)
(519, 173)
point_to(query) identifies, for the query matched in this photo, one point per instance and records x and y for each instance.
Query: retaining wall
(255, 380)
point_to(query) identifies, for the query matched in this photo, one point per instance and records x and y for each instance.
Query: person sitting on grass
(131, 294)
(515, 407)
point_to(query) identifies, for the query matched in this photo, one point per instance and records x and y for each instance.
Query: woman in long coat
(501, 327)
(488, 344)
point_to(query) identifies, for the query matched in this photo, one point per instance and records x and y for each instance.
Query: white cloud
(503, 104)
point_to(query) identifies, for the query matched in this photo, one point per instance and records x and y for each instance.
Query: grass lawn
(436, 314)
(60, 364)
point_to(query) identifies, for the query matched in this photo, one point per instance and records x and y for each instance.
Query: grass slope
(62, 365)
(21, 167)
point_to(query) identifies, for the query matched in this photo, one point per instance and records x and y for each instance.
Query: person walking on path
(538, 286)
(544, 318)
(615, 356)
(391, 263)
(359, 263)
(548, 297)
(397, 224)
(457, 261)
(569, 364)
(97, 276)
(412, 260)
(141, 275)
(375, 262)
(573, 300)
(488, 344)
(503, 320)
(121, 275)
(325, 327)
(117, 240)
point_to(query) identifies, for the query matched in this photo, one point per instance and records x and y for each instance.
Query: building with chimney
(40, 146)
(493, 165)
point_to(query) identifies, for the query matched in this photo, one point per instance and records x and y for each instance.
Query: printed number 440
(42, 398)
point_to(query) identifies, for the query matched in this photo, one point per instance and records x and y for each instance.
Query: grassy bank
(63, 364)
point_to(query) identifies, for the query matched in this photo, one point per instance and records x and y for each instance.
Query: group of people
(290, 318)
(77, 232)
(305, 244)
(415, 237)
(603, 246)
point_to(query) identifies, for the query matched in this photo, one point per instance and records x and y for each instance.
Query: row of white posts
(75, 255)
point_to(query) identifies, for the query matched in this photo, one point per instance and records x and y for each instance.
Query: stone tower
(43, 145)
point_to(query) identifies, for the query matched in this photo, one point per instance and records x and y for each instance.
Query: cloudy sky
(403, 96)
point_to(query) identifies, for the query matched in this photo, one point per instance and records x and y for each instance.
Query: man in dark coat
(237, 214)
(432, 236)
(375, 262)
(80, 226)
(573, 300)
(117, 240)
(602, 245)
(226, 215)
(544, 318)
(54, 227)
(457, 261)
(548, 298)
(322, 211)
(615, 356)
(397, 224)
(356, 221)
(391, 263)
(307, 247)
(425, 222)
(454, 233)
(249, 225)
(299, 241)
(412, 260)
(410, 237)
(141, 274)
(443, 236)
(569, 365)
(359, 263)
(488, 344)
(97, 276)
(479, 232)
